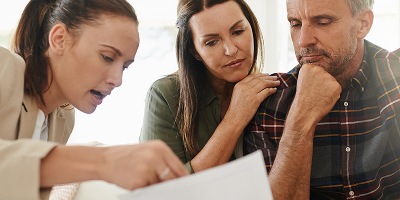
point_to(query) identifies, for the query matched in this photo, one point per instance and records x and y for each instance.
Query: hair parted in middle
(192, 74)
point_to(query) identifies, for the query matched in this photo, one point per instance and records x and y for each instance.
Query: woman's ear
(366, 18)
(195, 54)
(57, 38)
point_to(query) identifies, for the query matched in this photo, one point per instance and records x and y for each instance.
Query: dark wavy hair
(30, 40)
(192, 75)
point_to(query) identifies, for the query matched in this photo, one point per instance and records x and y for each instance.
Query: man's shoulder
(385, 66)
(277, 105)
(377, 52)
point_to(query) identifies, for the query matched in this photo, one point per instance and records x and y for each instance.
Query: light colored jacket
(19, 155)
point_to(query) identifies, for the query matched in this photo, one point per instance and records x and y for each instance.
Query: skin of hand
(316, 94)
(130, 166)
(246, 98)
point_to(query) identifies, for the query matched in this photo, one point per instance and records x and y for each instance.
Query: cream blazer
(19, 155)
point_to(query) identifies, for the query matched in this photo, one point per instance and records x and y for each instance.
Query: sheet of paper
(244, 178)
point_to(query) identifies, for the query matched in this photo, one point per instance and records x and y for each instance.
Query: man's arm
(316, 94)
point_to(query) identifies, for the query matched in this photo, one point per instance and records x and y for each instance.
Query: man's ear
(57, 38)
(195, 54)
(366, 19)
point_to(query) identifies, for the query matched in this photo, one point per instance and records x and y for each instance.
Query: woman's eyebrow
(113, 48)
(235, 24)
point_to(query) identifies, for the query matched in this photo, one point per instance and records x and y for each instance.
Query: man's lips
(235, 63)
(310, 58)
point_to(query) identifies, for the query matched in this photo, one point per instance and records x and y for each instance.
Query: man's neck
(352, 67)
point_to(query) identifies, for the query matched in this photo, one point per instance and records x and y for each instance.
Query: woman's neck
(52, 100)
(222, 89)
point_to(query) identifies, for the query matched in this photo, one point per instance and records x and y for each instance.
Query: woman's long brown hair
(192, 75)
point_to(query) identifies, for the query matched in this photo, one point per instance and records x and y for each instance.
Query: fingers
(266, 92)
(259, 84)
(171, 166)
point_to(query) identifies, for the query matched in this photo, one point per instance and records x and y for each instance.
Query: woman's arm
(130, 166)
(246, 98)
(159, 117)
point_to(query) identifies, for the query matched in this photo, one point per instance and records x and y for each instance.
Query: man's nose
(307, 36)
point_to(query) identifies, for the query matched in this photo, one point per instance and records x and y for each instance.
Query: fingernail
(278, 82)
(266, 74)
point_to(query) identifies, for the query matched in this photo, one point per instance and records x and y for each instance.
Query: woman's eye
(211, 43)
(124, 68)
(108, 59)
(238, 32)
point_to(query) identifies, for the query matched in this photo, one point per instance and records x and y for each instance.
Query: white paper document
(244, 178)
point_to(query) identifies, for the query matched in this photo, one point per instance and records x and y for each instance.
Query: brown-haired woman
(69, 53)
(202, 110)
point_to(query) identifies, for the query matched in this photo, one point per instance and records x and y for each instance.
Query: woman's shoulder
(10, 59)
(167, 86)
(12, 68)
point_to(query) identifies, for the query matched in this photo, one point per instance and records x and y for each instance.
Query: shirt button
(348, 149)
(346, 104)
(362, 89)
(351, 193)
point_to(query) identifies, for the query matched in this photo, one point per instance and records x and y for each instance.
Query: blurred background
(119, 119)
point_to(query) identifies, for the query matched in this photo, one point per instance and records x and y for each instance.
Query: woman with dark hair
(202, 110)
(69, 53)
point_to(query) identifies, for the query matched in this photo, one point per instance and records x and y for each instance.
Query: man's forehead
(312, 8)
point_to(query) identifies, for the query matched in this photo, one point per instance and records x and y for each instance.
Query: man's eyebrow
(113, 48)
(323, 17)
(314, 17)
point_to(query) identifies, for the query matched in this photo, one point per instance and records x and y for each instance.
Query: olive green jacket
(159, 117)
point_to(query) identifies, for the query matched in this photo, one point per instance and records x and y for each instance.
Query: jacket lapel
(56, 127)
(28, 119)
(27, 122)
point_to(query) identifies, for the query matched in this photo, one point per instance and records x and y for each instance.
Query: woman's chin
(89, 109)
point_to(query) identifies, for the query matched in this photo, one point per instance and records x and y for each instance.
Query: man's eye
(324, 23)
(295, 24)
(108, 59)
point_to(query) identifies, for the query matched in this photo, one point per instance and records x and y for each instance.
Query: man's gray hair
(358, 6)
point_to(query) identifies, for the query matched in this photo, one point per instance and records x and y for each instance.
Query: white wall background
(118, 120)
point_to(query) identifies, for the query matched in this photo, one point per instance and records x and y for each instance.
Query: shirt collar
(209, 94)
(361, 79)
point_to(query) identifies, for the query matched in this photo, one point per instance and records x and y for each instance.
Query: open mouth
(98, 94)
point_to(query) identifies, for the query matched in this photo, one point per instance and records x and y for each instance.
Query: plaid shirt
(357, 144)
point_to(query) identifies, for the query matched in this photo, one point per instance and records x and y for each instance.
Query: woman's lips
(235, 63)
(97, 96)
